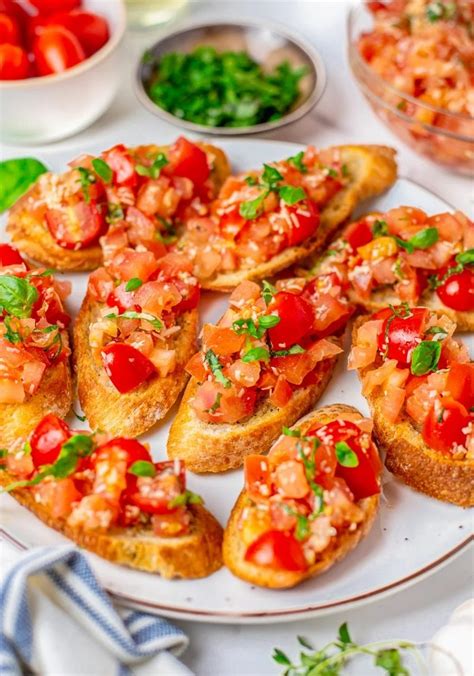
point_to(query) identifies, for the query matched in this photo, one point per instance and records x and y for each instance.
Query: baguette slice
(133, 413)
(234, 548)
(410, 459)
(373, 169)
(32, 237)
(207, 447)
(197, 554)
(54, 395)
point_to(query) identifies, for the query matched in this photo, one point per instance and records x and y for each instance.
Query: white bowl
(49, 108)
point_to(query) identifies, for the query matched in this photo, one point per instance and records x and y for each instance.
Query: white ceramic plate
(412, 537)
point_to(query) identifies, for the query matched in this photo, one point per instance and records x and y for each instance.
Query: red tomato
(278, 550)
(169, 267)
(76, 227)
(296, 319)
(91, 30)
(257, 476)
(460, 384)
(444, 430)
(131, 448)
(282, 392)
(191, 294)
(400, 335)
(126, 367)
(9, 256)
(9, 29)
(305, 221)
(56, 49)
(58, 496)
(120, 161)
(234, 403)
(169, 482)
(189, 161)
(14, 63)
(51, 6)
(358, 234)
(457, 292)
(47, 439)
(54, 312)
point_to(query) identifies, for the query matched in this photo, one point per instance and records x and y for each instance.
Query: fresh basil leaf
(291, 433)
(407, 245)
(379, 228)
(10, 334)
(345, 171)
(294, 349)
(268, 291)
(251, 180)
(214, 364)
(130, 314)
(291, 194)
(17, 296)
(268, 321)
(154, 170)
(86, 179)
(216, 404)
(186, 498)
(297, 162)
(280, 658)
(437, 331)
(345, 455)
(252, 208)
(16, 176)
(425, 238)
(245, 327)
(256, 354)
(133, 284)
(302, 530)
(466, 257)
(343, 634)
(425, 357)
(78, 446)
(142, 468)
(271, 176)
(102, 169)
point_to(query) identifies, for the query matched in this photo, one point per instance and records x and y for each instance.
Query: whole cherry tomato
(457, 292)
(443, 430)
(14, 64)
(91, 30)
(277, 550)
(9, 29)
(47, 440)
(56, 49)
(51, 6)
(296, 319)
(126, 366)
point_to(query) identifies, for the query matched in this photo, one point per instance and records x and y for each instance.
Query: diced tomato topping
(188, 160)
(126, 367)
(304, 218)
(282, 392)
(196, 368)
(10, 256)
(153, 495)
(120, 161)
(174, 524)
(296, 319)
(358, 234)
(76, 227)
(130, 450)
(401, 334)
(445, 427)
(218, 404)
(47, 440)
(257, 476)
(58, 496)
(460, 384)
(222, 341)
(129, 264)
(277, 550)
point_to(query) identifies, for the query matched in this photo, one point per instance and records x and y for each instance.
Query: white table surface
(341, 116)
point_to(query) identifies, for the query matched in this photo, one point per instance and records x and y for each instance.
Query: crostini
(135, 332)
(404, 255)
(264, 221)
(307, 503)
(35, 376)
(123, 197)
(264, 365)
(419, 383)
(108, 496)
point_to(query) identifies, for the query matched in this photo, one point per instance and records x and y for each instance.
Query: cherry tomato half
(278, 550)
(9, 256)
(296, 319)
(443, 430)
(91, 30)
(304, 218)
(401, 334)
(76, 227)
(189, 161)
(14, 64)
(126, 366)
(457, 292)
(52, 6)
(460, 384)
(47, 439)
(9, 29)
(56, 49)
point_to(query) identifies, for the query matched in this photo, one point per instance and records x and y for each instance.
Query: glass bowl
(444, 137)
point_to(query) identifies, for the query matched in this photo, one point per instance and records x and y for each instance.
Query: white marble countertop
(341, 116)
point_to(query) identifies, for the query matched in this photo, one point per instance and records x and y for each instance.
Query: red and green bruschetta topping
(405, 251)
(95, 482)
(130, 197)
(268, 343)
(259, 214)
(32, 325)
(137, 315)
(409, 356)
(305, 492)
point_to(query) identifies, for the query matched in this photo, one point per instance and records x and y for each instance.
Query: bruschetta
(35, 375)
(109, 496)
(404, 255)
(306, 504)
(135, 332)
(123, 197)
(419, 383)
(264, 365)
(264, 221)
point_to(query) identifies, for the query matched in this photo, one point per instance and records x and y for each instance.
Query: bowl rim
(313, 55)
(351, 14)
(91, 61)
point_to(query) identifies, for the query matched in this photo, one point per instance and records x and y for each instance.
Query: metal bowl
(267, 44)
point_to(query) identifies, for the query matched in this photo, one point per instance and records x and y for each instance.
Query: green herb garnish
(186, 498)
(297, 162)
(86, 179)
(345, 455)
(133, 284)
(17, 296)
(425, 357)
(16, 176)
(214, 364)
(142, 468)
(294, 349)
(102, 169)
(130, 314)
(268, 291)
(256, 354)
(154, 170)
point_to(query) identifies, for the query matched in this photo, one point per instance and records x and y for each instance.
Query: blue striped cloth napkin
(55, 618)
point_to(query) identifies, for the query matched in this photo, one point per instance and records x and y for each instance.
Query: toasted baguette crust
(373, 169)
(133, 413)
(197, 554)
(414, 462)
(54, 395)
(209, 447)
(32, 237)
(234, 548)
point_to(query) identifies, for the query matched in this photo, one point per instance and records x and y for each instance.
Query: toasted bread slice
(54, 395)
(410, 459)
(133, 413)
(340, 546)
(373, 169)
(32, 237)
(196, 554)
(210, 447)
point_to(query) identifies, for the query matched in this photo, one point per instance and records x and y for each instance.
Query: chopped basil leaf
(280, 658)
(437, 331)
(379, 228)
(268, 291)
(425, 357)
(16, 176)
(294, 349)
(114, 213)
(297, 162)
(331, 172)
(186, 498)
(253, 208)
(268, 321)
(256, 354)
(216, 404)
(17, 296)
(425, 238)
(133, 284)
(142, 468)
(291, 195)
(214, 364)
(154, 170)
(251, 180)
(466, 257)
(11, 335)
(102, 169)
(130, 314)
(271, 176)
(86, 179)
(291, 433)
(345, 171)
(345, 455)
